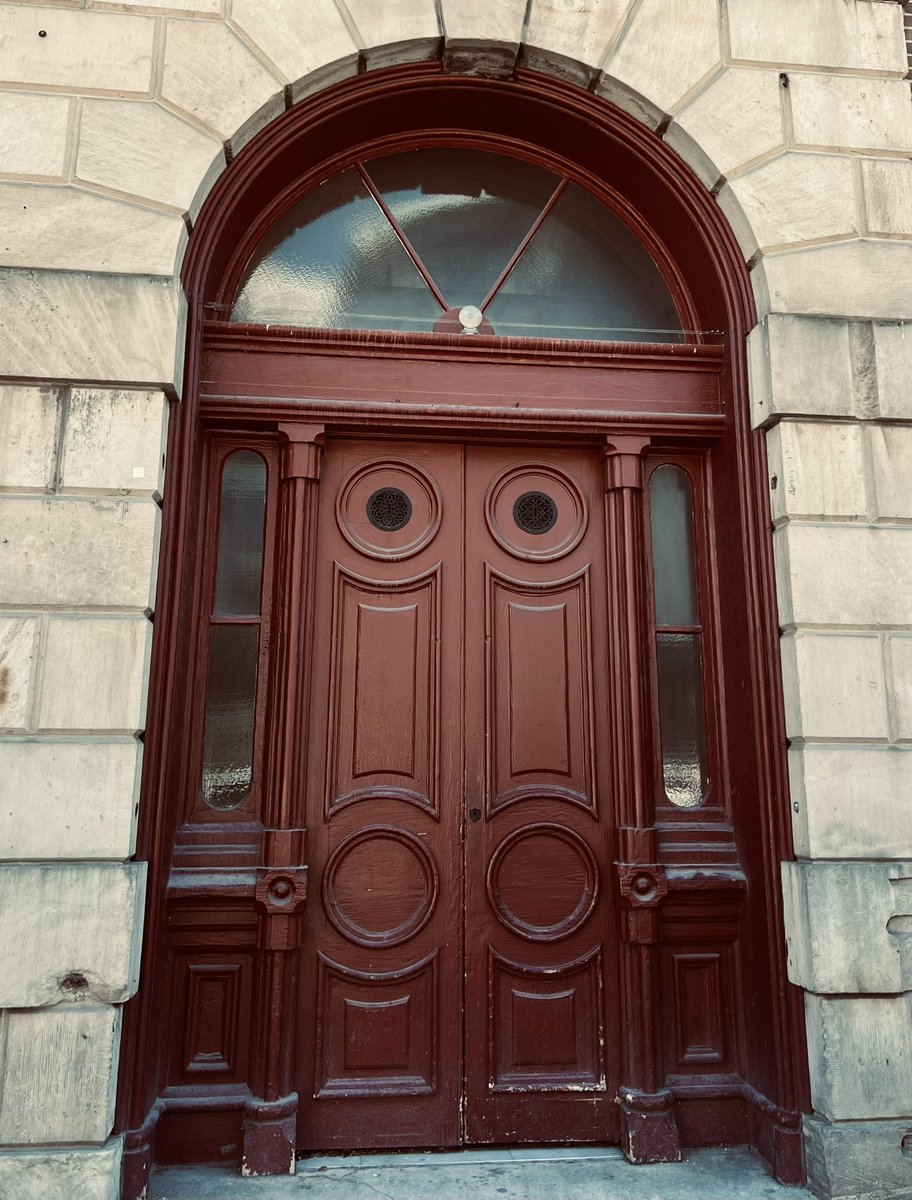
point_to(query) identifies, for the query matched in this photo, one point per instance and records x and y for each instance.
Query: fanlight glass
(411, 241)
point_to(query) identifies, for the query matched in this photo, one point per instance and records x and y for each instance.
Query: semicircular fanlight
(455, 240)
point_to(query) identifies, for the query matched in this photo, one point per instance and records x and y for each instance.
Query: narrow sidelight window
(678, 638)
(234, 632)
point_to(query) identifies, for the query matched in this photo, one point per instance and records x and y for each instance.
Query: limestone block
(117, 328)
(737, 118)
(798, 197)
(891, 455)
(857, 1160)
(114, 441)
(76, 552)
(69, 799)
(298, 38)
(77, 919)
(887, 186)
(851, 801)
(831, 574)
(102, 234)
(818, 33)
(34, 133)
(60, 1074)
(839, 920)
(584, 30)
(210, 74)
(95, 671)
(28, 429)
(110, 52)
(139, 147)
(394, 24)
(863, 279)
(498, 21)
(204, 7)
(801, 366)
(818, 469)
(18, 657)
(860, 1056)
(848, 112)
(900, 688)
(89, 1173)
(834, 686)
(670, 46)
(893, 348)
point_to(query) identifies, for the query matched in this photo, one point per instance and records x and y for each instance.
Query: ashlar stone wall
(115, 120)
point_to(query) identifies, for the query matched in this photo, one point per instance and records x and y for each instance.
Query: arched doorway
(471, 800)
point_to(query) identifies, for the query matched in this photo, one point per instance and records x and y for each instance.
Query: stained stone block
(832, 574)
(800, 366)
(851, 801)
(891, 457)
(114, 441)
(858, 1160)
(77, 919)
(298, 38)
(818, 469)
(95, 674)
(834, 686)
(71, 799)
(89, 1173)
(103, 51)
(394, 24)
(143, 149)
(818, 33)
(863, 279)
(18, 660)
(34, 132)
(585, 32)
(893, 348)
(798, 197)
(28, 429)
(736, 118)
(102, 234)
(900, 653)
(860, 1056)
(500, 21)
(849, 112)
(78, 551)
(849, 928)
(118, 328)
(888, 195)
(210, 74)
(59, 1074)
(670, 46)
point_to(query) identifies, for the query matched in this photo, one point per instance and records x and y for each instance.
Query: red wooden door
(458, 965)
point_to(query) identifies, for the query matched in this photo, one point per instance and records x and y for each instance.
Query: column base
(649, 1131)
(859, 1160)
(270, 1136)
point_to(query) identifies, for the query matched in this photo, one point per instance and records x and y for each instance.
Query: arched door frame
(662, 200)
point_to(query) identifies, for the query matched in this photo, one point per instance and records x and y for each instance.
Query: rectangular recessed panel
(376, 1033)
(698, 992)
(384, 680)
(210, 1003)
(540, 689)
(546, 1027)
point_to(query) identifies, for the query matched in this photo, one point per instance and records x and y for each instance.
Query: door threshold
(516, 1173)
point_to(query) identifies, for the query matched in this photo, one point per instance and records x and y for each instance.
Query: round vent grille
(534, 512)
(389, 509)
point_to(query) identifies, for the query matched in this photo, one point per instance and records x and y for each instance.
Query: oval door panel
(388, 509)
(535, 512)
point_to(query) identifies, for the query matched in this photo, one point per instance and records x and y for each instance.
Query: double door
(459, 972)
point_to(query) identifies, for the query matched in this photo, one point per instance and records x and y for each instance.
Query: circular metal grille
(389, 509)
(534, 512)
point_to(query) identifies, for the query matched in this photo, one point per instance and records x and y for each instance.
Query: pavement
(523, 1173)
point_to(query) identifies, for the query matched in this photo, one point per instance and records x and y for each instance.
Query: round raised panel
(543, 882)
(380, 886)
(535, 512)
(388, 509)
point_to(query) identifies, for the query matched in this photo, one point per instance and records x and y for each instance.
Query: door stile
(649, 1128)
(270, 1116)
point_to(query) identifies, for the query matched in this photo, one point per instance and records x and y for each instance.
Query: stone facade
(115, 121)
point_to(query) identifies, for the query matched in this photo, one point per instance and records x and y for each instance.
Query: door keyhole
(474, 814)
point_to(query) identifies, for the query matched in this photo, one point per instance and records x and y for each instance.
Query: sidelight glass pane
(671, 508)
(334, 261)
(585, 275)
(230, 700)
(465, 212)
(681, 717)
(242, 512)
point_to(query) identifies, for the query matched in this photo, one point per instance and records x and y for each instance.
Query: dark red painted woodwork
(707, 1034)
